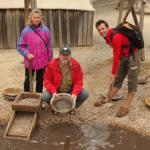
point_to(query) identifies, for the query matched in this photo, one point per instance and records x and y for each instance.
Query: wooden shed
(70, 21)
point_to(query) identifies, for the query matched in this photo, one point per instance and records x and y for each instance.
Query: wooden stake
(67, 143)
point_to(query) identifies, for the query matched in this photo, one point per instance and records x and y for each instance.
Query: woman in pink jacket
(35, 46)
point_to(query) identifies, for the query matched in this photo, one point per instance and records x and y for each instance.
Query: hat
(65, 50)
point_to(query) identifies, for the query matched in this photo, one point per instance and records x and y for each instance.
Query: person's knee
(46, 96)
(84, 95)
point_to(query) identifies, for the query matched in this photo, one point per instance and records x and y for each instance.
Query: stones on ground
(29, 102)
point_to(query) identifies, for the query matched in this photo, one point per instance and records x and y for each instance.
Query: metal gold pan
(116, 97)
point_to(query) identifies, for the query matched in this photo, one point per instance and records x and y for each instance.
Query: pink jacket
(30, 42)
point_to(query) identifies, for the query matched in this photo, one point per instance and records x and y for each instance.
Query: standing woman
(35, 46)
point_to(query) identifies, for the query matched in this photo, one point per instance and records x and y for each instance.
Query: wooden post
(33, 4)
(26, 4)
(120, 10)
(67, 143)
(142, 15)
(60, 28)
(141, 26)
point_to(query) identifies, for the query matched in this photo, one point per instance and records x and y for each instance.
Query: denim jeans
(82, 96)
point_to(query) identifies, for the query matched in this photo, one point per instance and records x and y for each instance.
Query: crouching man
(64, 75)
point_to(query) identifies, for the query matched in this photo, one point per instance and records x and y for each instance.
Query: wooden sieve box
(29, 102)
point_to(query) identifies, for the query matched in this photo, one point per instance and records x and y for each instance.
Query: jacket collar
(73, 63)
(108, 36)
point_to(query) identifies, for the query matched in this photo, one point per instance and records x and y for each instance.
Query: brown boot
(122, 112)
(124, 108)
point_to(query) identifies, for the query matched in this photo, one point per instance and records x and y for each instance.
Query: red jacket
(53, 76)
(117, 41)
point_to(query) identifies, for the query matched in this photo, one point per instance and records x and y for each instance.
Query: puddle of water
(83, 137)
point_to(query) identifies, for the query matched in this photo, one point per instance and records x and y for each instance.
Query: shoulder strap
(42, 40)
(39, 36)
(112, 34)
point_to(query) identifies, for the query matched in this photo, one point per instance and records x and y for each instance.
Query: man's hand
(54, 94)
(74, 97)
(30, 56)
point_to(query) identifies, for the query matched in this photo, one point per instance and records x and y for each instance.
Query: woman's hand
(30, 56)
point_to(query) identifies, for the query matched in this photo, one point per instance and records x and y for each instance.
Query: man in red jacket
(124, 64)
(64, 75)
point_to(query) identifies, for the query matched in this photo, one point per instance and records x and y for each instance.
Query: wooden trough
(24, 117)
(20, 125)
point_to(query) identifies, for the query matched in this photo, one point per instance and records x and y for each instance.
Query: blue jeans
(82, 96)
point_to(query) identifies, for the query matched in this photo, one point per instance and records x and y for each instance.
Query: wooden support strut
(131, 8)
(133, 13)
(120, 10)
(141, 26)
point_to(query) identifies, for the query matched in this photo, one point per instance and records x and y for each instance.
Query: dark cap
(65, 50)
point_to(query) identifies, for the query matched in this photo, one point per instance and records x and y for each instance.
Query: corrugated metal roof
(50, 4)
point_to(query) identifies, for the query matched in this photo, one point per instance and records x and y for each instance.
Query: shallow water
(82, 137)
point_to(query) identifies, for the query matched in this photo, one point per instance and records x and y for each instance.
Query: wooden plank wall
(1, 30)
(70, 27)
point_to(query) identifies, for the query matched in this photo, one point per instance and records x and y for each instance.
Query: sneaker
(122, 112)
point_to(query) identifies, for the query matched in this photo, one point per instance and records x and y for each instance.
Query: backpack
(133, 34)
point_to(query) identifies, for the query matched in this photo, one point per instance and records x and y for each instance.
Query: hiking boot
(122, 112)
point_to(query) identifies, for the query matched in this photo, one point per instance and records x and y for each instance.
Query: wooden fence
(71, 27)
